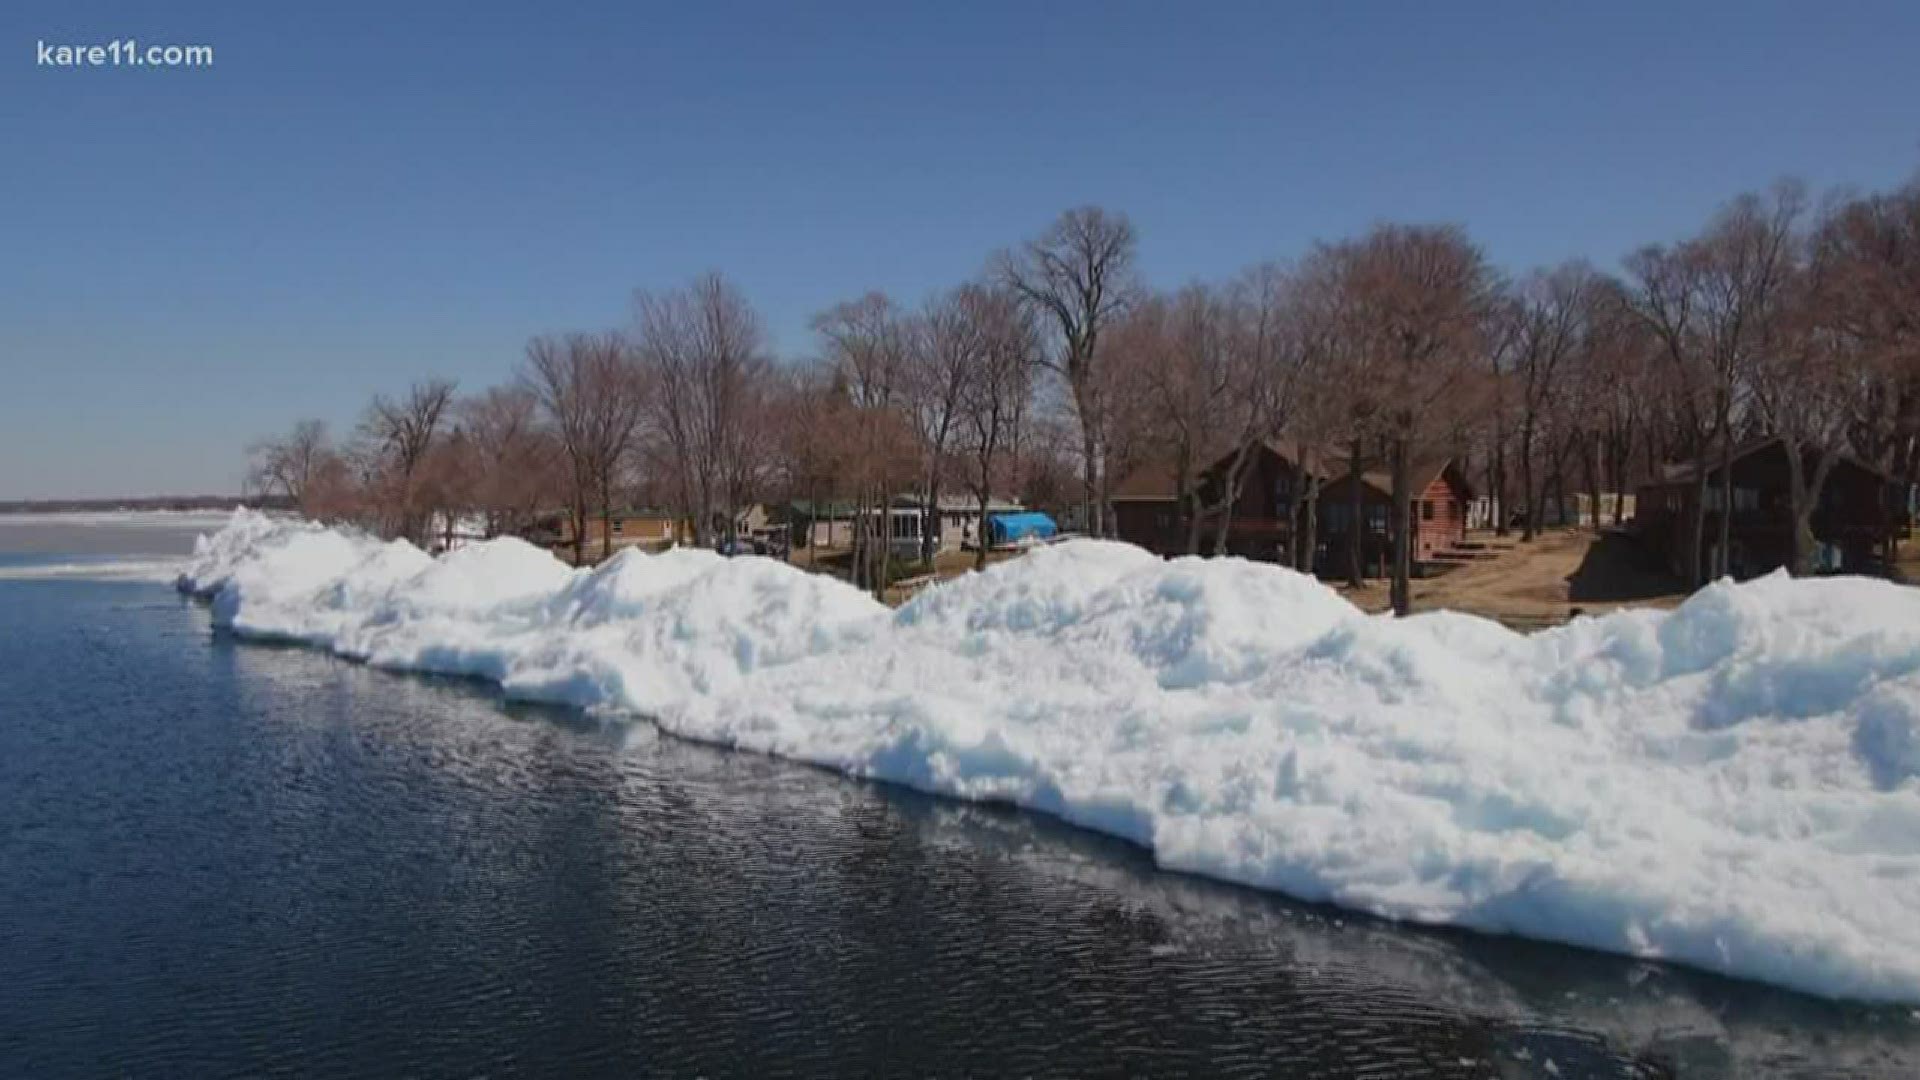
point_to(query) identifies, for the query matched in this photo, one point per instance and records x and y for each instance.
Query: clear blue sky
(357, 194)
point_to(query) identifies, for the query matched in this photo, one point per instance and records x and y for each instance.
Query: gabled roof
(1159, 481)
(1686, 472)
(1156, 481)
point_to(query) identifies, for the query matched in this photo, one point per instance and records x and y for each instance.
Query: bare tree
(593, 394)
(1548, 322)
(705, 351)
(1346, 402)
(401, 433)
(1421, 294)
(1620, 362)
(513, 454)
(1709, 300)
(1179, 346)
(865, 343)
(296, 466)
(1809, 387)
(1868, 254)
(1079, 274)
(1315, 422)
(809, 418)
(1271, 360)
(996, 396)
(947, 347)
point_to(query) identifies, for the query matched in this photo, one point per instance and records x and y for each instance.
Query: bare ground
(1542, 582)
(1524, 585)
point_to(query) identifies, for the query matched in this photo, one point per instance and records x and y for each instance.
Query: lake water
(224, 859)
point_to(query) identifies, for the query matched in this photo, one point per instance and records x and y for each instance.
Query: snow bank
(1734, 785)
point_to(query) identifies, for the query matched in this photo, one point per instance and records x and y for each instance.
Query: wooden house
(1267, 510)
(1859, 509)
(648, 529)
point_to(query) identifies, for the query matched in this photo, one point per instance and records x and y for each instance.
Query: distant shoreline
(148, 504)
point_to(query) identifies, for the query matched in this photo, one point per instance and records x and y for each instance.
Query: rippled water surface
(220, 859)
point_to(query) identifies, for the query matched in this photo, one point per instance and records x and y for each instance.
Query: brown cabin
(647, 529)
(1147, 511)
(1859, 510)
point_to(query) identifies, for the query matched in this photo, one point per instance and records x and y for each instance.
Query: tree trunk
(1697, 531)
(1090, 474)
(1356, 569)
(1309, 532)
(606, 520)
(579, 524)
(1493, 502)
(1800, 512)
(930, 522)
(1497, 483)
(1195, 515)
(1530, 524)
(1401, 526)
(1590, 455)
(1296, 511)
(885, 548)
(1909, 467)
(1804, 496)
(1617, 453)
(980, 533)
(1236, 476)
(1726, 497)
(1558, 478)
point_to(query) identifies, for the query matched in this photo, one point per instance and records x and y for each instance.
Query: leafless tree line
(1058, 372)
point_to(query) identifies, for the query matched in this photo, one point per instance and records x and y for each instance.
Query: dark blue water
(222, 859)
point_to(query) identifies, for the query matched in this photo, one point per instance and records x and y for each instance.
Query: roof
(1159, 481)
(623, 512)
(952, 503)
(1686, 472)
(1156, 481)
(808, 508)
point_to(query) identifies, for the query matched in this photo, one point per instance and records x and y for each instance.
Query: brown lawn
(1542, 582)
(1525, 585)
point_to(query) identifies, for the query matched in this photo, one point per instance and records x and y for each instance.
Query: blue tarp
(1012, 528)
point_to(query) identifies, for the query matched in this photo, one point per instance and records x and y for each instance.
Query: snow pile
(1734, 785)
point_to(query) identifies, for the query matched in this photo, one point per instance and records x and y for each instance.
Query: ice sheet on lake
(1734, 785)
(102, 569)
(132, 519)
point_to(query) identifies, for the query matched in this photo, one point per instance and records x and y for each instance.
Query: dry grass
(1906, 562)
(1540, 583)
(1526, 585)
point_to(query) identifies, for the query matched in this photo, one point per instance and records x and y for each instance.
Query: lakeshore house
(823, 524)
(955, 523)
(828, 524)
(1267, 509)
(646, 528)
(1860, 510)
